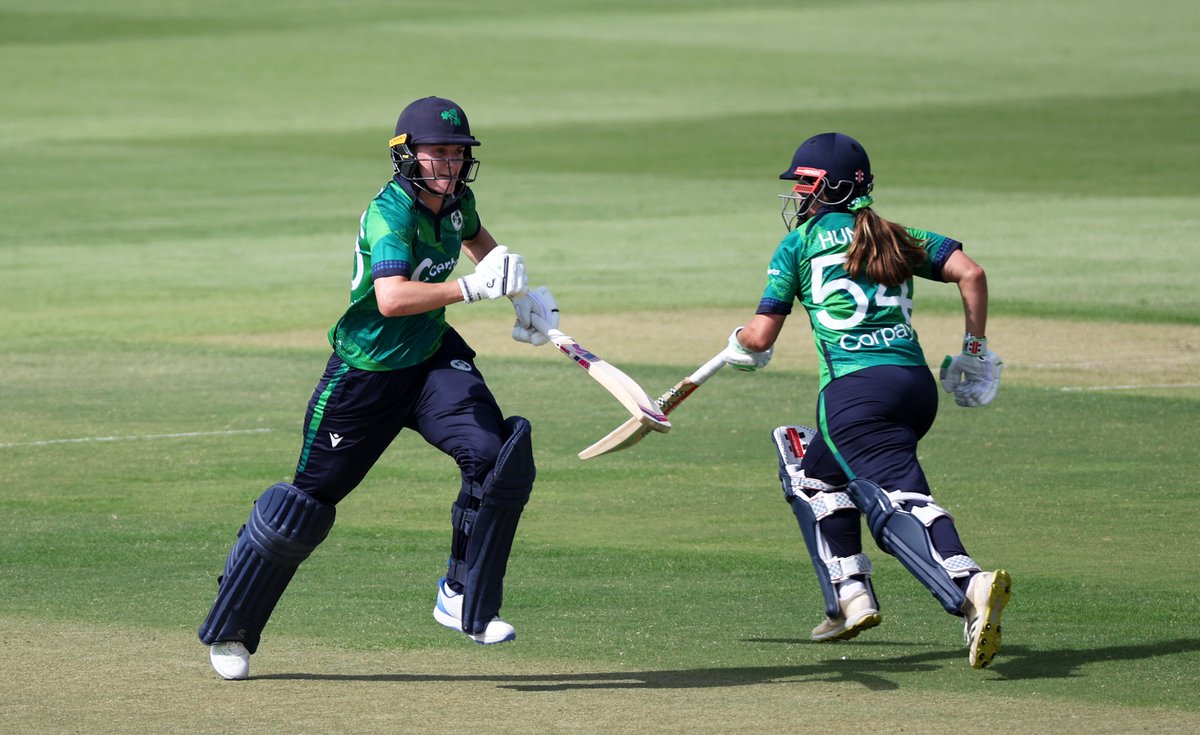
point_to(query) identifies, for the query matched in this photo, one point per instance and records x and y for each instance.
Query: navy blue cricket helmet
(830, 168)
(432, 121)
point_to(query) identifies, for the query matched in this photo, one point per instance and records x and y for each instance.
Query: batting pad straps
(959, 565)
(825, 504)
(842, 568)
(799, 483)
(922, 506)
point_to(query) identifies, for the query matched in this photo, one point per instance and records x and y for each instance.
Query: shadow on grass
(1019, 662)
(1016, 663)
(871, 674)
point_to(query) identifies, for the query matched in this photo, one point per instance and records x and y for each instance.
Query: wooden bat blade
(633, 431)
(626, 435)
(622, 387)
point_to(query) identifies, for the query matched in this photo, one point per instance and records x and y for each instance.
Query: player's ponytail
(884, 250)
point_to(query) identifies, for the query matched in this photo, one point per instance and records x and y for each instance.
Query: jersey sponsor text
(884, 337)
(433, 269)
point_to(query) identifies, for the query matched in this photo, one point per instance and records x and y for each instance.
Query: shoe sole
(453, 623)
(866, 622)
(446, 619)
(988, 645)
(485, 642)
(228, 677)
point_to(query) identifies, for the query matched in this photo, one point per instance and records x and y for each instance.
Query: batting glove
(739, 358)
(973, 376)
(498, 274)
(538, 302)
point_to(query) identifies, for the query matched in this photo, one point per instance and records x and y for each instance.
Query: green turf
(179, 190)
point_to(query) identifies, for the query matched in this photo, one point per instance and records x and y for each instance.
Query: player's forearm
(972, 285)
(414, 297)
(974, 290)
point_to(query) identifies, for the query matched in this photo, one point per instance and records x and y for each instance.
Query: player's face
(441, 165)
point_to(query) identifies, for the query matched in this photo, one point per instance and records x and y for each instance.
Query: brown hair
(883, 249)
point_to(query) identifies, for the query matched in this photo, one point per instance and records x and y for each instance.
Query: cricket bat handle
(708, 369)
(557, 337)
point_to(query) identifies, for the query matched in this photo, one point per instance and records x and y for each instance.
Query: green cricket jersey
(399, 236)
(856, 323)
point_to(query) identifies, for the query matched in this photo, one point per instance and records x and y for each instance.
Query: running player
(397, 364)
(853, 272)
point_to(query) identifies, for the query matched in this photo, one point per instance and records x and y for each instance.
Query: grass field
(180, 189)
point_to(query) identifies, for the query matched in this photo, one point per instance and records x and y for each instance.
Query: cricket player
(397, 364)
(853, 272)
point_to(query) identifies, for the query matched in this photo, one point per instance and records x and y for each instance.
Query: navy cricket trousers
(354, 415)
(869, 424)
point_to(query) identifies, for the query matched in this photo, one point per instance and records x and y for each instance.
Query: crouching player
(853, 272)
(396, 365)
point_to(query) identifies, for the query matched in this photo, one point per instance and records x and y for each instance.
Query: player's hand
(973, 376)
(739, 358)
(539, 303)
(500, 273)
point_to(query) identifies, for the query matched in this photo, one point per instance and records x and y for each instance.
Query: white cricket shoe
(859, 613)
(230, 660)
(987, 594)
(448, 612)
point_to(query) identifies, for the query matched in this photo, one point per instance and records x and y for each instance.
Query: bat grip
(708, 369)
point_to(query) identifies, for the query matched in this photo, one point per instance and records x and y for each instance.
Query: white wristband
(468, 295)
(974, 346)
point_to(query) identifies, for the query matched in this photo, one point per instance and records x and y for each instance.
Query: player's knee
(514, 470)
(477, 457)
(286, 525)
(507, 454)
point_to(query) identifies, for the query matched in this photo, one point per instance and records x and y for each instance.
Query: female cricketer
(397, 364)
(853, 272)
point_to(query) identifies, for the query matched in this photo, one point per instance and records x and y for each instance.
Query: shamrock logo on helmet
(451, 115)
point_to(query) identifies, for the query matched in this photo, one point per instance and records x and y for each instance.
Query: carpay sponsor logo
(427, 270)
(882, 337)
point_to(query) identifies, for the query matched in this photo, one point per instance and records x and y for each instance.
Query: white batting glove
(498, 274)
(973, 376)
(739, 358)
(538, 302)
